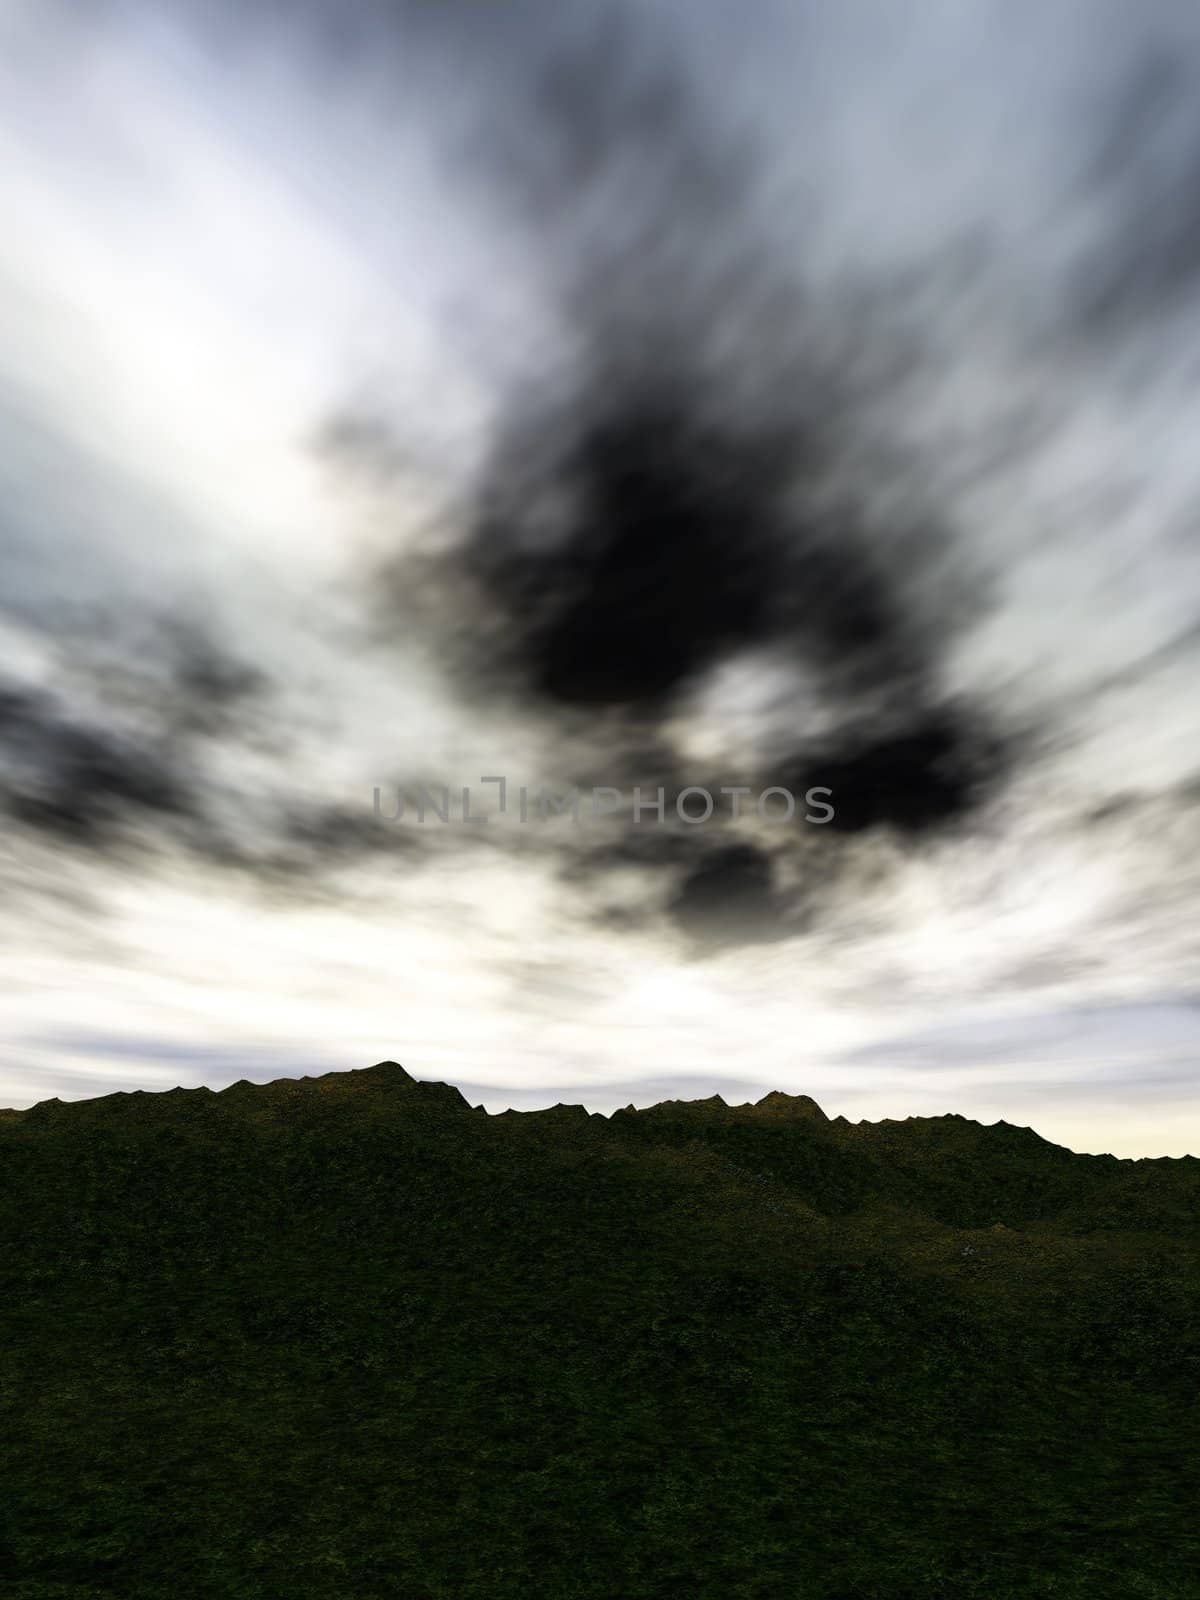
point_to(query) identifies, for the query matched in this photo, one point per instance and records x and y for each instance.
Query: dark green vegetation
(348, 1337)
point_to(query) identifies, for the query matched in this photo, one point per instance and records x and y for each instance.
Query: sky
(394, 395)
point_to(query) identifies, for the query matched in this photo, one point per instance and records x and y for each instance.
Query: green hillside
(349, 1337)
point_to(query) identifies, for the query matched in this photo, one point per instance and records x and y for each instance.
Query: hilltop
(349, 1336)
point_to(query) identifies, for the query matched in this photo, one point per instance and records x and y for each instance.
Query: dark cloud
(703, 460)
(665, 534)
(82, 783)
(729, 405)
(731, 898)
(703, 467)
(929, 773)
(643, 848)
(116, 759)
(667, 561)
(301, 850)
(128, 793)
(211, 689)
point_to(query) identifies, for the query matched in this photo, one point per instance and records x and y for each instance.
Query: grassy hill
(349, 1337)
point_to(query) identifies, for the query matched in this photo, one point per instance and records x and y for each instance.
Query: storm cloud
(401, 395)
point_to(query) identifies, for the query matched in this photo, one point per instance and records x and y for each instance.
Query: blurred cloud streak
(399, 394)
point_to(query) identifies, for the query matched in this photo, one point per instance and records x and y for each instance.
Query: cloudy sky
(397, 394)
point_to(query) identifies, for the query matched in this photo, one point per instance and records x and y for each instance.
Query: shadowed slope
(348, 1336)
